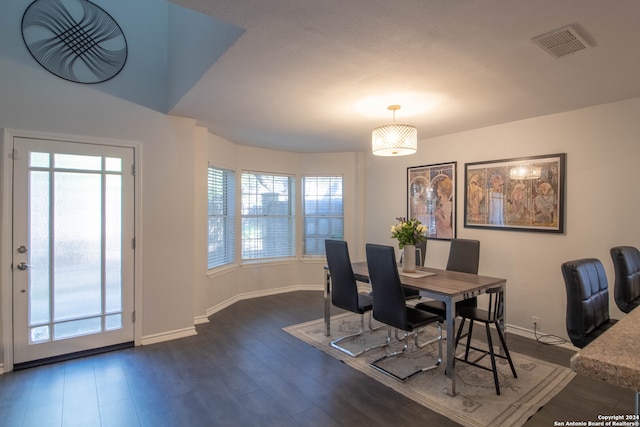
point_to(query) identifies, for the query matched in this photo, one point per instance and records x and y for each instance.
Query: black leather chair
(344, 291)
(626, 263)
(488, 317)
(389, 307)
(464, 256)
(587, 300)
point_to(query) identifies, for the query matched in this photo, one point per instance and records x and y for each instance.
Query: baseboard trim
(168, 336)
(528, 333)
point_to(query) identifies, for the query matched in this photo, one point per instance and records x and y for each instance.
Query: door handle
(23, 266)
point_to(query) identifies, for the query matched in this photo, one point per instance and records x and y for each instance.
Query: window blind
(323, 212)
(221, 212)
(268, 221)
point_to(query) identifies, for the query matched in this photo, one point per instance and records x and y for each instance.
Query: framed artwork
(431, 198)
(523, 194)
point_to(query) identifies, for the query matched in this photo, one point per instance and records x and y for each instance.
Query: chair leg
(493, 359)
(469, 334)
(506, 351)
(371, 328)
(405, 347)
(336, 343)
(455, 344)
(438, 339)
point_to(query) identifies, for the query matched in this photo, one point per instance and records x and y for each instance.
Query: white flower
(408, 232)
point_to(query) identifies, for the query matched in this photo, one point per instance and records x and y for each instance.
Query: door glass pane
(70, 161)
(113, 321)
(113, 164)
(39, 334)
(77, 247)
(76, 328)
(113, 245)
(39, 160)
(38, 249)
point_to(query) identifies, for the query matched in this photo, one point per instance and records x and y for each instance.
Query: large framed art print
(523, 194)
(431, 198)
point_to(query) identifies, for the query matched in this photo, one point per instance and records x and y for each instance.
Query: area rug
(475, 404)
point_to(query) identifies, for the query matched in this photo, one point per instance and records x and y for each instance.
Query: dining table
(442, 285)
(614, 357)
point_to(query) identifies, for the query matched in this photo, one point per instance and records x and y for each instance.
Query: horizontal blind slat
(323, 212)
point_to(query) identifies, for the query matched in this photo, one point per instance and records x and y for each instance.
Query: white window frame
(222, 255)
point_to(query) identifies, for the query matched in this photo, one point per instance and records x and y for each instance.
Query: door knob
(23, 266)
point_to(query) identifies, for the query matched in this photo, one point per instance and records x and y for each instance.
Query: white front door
(73, 247)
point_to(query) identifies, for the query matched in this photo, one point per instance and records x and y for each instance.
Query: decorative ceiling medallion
(74, 39)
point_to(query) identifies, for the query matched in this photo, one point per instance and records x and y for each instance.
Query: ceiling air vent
(562, 42)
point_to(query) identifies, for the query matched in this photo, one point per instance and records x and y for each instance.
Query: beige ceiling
(318, 75)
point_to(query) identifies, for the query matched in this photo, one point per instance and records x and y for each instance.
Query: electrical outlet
(536, 321)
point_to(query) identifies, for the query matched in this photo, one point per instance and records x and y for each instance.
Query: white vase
(409, 259)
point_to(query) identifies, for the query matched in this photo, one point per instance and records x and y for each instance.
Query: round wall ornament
(74, 39)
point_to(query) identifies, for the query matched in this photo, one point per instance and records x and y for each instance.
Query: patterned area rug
(476, 403)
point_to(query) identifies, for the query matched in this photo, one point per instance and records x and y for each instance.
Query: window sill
(314, 260)
(269, 262)
(219, 271)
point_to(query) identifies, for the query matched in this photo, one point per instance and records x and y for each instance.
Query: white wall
(602, 202)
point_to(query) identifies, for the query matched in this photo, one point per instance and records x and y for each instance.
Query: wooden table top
(614, 356)
(444, 282)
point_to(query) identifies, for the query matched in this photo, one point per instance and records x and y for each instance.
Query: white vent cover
(561, 42)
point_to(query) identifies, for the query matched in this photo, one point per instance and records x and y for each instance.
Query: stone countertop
(613, 357)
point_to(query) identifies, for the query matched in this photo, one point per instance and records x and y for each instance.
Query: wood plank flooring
(243, 370)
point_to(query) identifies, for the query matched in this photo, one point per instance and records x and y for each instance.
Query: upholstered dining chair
(626, 264)
(490, 316)
(344, 292)
(464, 256)
(390, 308)
(587, 300)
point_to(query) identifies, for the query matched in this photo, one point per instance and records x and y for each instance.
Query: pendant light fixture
(394, 139)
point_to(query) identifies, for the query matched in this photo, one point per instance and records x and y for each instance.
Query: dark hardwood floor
(243, 370)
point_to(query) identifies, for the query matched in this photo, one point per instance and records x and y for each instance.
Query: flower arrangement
(408, 232)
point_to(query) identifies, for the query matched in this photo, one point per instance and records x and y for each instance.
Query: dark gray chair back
(344, 290)
(421, 250)
(389, 305)
(587, 300)
(464, 256)
(626, 263)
